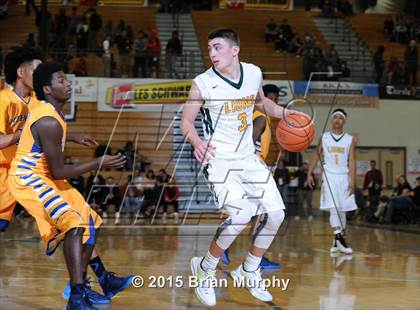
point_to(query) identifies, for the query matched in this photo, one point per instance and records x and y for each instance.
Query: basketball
(295, 132)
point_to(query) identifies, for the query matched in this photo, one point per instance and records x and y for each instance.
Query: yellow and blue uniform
(13, 113)
(56, 206)
(262, 144)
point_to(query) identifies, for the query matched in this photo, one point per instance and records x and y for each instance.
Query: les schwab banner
(257, 4)
(134, 95)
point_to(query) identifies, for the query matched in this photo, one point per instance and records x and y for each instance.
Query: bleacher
(250, 26)
(370, 29)
(149, 126)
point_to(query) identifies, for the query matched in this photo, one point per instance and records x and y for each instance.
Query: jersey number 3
(242, 118)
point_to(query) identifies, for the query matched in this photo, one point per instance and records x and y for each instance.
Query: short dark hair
(373, 161)
(339, 110)
(42, 77)
(270, 88)
(18, 57)
(224, 33)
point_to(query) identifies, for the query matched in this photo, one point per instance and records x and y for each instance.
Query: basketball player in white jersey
(243, 186)
(338, 177)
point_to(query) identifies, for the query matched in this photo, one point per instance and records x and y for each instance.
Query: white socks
(251, 262)
(209, 262)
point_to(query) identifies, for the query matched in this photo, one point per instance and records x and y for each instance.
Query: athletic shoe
(224, 258)
(117, 218)
(94, 297)
(112, 285)
(204, 291)
(79, 302)
(267, 264)
(340, 245)
(253, 282)
(165, 218)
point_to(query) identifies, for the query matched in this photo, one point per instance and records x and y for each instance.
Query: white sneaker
(205, 291)
(343, 247)
(334, 248)
(105, 215)
(310, 218)
(176, 217)
(164, 218)
(253, 282)
(117, 218)
(297, 217)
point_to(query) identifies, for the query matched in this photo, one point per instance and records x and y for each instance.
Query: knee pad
(234, 224)
(267, 229)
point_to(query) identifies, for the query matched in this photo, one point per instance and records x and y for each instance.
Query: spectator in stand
(150, 193)
(140, 55)
(389, 28)
(163, 177)
(108, 29)
(173, 52)
(373, 182)
(82, 37)
(282, 178)
(124, 48)
(270, 30)
(132, 196)
(95, 25)
(280, 42)
(287, 30)
(345, 71)
(170, 201)
(346, 8)
(128, 151)
(417, 192)
(112, 200)
(296, 45)
(313, 61)
(401, 30)
(30, 41)
(332, 61)
(106, 56)
(401, 186)
(398, 204)
(81, 67)
(327, 8)
(130, 32)
(74, 24)
(394, 71)
(153, 50)
(379, 64)
(119, 30)
(304, 192)
(411, 63)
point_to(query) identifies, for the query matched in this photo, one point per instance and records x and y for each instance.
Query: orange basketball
(295, 132)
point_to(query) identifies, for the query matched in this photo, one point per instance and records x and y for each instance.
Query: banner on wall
(257, 4)
(85, 89)
(400, 92)
(341, 93)
(132, 94)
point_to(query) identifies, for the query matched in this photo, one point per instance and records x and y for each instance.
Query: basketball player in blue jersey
(338, 177)
(243, 186)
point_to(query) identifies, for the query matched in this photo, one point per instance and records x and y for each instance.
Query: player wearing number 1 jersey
(338, 177)
(226, 94)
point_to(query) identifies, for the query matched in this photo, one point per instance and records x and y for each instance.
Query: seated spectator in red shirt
(170, 201)
(373, 183)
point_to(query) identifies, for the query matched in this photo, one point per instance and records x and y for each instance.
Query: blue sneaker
(94, 297)
(266, 264)
(225, 257)
(112, 285)
(79, 302)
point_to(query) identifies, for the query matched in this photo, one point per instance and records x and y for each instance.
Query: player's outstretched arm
(202, 149)
(83, 139)
(269, 107)
(315, 157)
(48, 133)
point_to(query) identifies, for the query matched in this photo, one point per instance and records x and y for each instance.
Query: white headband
(339, 113)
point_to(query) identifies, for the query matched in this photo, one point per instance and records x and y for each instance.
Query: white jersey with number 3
(336, 149)
(227, 110)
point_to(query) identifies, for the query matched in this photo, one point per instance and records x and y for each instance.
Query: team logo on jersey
(238, 105)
